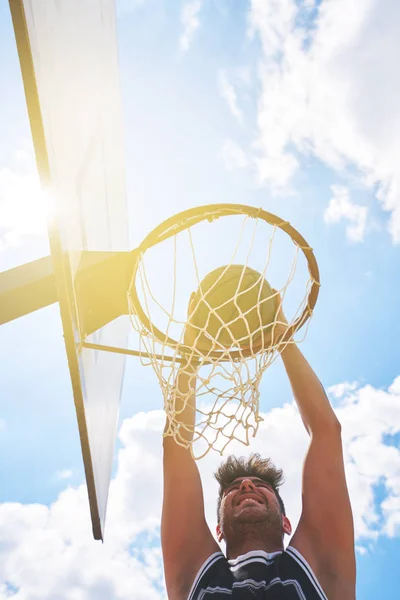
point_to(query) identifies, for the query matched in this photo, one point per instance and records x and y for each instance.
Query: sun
(25, 207)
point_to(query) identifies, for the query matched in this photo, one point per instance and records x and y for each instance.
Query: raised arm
(325, 534)
(314, 406)
(186, 539)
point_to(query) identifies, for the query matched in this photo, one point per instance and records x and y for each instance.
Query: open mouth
(250, 500)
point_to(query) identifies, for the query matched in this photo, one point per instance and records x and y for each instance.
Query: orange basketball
(232, 307)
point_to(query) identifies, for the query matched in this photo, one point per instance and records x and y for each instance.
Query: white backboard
(69, 62)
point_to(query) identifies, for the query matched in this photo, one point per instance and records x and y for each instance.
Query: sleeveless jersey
(257, 575)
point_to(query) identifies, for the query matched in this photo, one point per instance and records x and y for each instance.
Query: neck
(246, 541)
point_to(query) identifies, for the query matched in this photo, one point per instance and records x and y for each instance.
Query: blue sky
(291, 106)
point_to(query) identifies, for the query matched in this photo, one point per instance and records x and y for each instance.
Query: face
(251, 501)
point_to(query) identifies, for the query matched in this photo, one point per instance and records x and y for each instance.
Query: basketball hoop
(228, 376)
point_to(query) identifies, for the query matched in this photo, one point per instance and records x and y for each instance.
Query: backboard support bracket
(101, 285)
(27, 288)
(130, 352)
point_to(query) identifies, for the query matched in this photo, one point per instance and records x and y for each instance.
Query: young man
(319, 562)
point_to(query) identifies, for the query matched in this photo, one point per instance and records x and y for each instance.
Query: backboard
(69, 63)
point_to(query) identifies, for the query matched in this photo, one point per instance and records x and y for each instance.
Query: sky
(292, 106)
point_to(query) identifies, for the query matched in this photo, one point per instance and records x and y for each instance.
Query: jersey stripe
(307, 569)
(257, 574)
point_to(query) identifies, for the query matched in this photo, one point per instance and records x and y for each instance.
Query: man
(319, 562)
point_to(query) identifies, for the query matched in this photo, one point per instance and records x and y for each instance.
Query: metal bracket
(27, 288)
(101, 285)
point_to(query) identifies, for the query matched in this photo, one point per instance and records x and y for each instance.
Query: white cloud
(228, 93)
(64, 474)
(190, 22)
(341, 208)
(391, 510)
(233, 156)
(330, 89)
(342, 389)
(395, 387)
(78, 567)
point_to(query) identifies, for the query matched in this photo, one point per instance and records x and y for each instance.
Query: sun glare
(25, 207)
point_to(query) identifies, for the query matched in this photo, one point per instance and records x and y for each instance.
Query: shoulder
(303, 573)
(214, 573)
(317, 581)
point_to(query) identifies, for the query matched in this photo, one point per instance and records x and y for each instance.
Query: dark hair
(254, 466)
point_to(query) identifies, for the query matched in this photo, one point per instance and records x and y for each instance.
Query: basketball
(232, 306)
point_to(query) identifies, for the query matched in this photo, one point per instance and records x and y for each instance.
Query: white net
(223, 356)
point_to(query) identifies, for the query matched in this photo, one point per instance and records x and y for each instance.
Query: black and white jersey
(257, 575)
